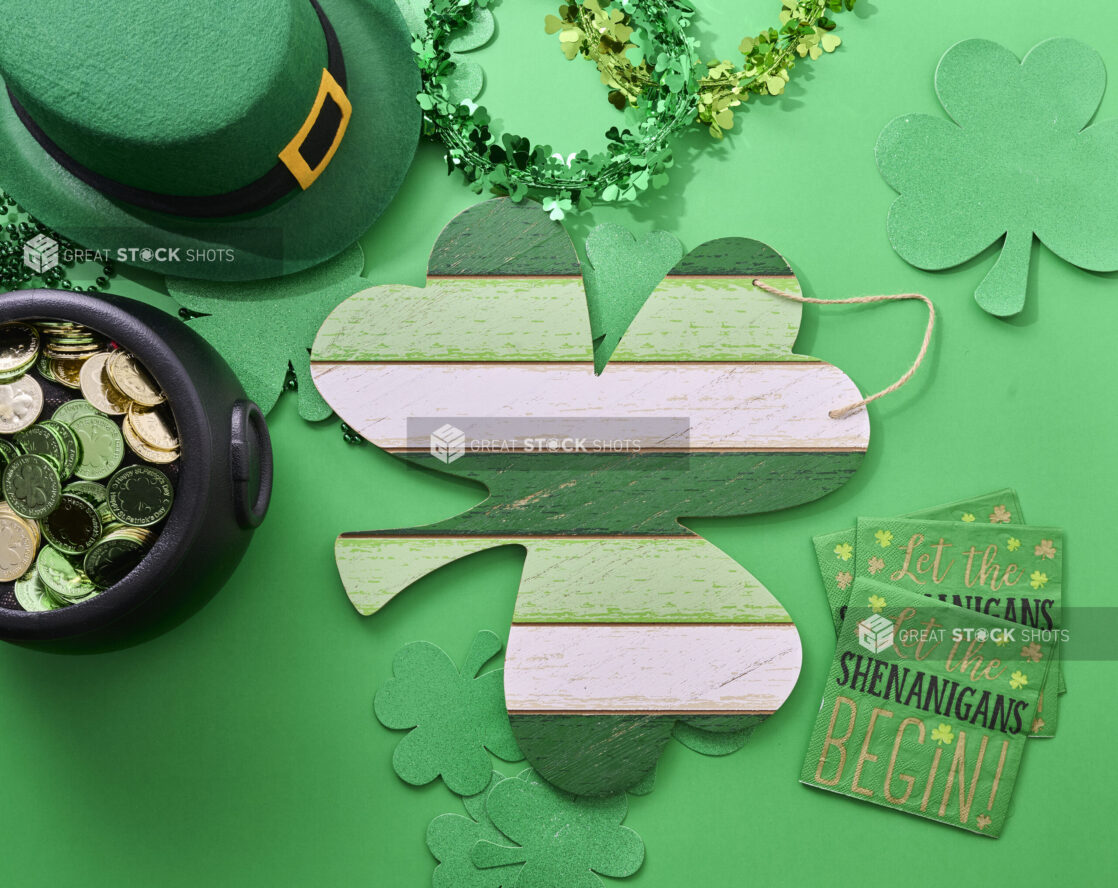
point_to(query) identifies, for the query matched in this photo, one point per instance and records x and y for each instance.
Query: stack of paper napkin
(949, 623)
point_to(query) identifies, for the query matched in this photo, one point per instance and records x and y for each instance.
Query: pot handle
(250, 446)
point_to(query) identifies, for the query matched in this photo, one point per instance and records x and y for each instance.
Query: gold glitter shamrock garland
(600, 33)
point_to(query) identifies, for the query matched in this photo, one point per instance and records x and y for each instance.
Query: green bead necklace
(17, 227)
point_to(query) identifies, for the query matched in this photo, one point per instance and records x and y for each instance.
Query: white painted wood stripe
(728, 406)
(724, 669)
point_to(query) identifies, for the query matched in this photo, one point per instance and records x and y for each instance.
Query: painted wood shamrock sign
(626, 622)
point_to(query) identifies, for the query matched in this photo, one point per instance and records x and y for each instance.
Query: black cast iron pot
(224, 474)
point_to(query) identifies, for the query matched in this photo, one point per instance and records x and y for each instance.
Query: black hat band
(300, 162)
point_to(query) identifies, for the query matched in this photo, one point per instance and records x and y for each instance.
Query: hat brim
(302, 231)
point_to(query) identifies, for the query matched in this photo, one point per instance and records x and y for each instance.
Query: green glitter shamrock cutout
(1017, 158)
(622, 271)
(706, 737)
(262, 328)
(562, 839)
(455, 716)
(451, 838)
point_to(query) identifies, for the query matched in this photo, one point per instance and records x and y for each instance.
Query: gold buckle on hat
(292, 157)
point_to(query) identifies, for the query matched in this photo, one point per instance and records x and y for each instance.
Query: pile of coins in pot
(88, 451)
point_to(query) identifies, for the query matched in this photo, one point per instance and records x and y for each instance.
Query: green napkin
(923, 711)
(1010, 571)
(837, 555)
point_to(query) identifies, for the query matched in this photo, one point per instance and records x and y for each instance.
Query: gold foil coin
(19, 347)
(98, 389)
(133, 381)
(67, 371)
(145, 451)
(17, 548)
(31, 523)
(154, 427)
(21, 402)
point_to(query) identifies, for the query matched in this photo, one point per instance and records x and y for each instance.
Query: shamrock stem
(312, 406)
(486, 645)
(1002, 292)
(486, 855)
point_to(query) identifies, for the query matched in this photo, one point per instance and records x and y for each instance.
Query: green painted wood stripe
(539, 365)
(374, 571)
(733, 256)
(502, 237)
(644, 713)
(503, 319)
(645, 623)
(587, 495)
(599, 754)
(603, 494)
(411, 533)
(504, 277)
(737, 276)
(593, 754)
(662, 580)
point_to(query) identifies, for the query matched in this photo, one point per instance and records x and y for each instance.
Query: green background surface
(240, 749)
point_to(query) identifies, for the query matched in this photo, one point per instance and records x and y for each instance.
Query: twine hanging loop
(842, 412)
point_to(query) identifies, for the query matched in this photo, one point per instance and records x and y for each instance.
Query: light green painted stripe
(714, 319)
(461, 319)
(572, 580)
(635, 580)
(374, 571)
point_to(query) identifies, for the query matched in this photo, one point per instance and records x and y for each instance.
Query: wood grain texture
(374, 571)
(596, 755)
(706, 318)
(460, 319)
(593, 755)
(726, 406)
(740, 257)
(545, 319)
(626, 622)
(505, 238)
(618, 668)
(592, 494)
(576, 579)
(639, 580)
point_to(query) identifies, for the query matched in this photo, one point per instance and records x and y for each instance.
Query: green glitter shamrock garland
(669, 84)
(634, 160)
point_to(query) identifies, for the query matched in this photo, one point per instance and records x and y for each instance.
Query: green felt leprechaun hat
(207, 139)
